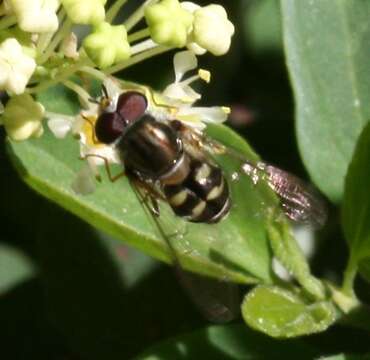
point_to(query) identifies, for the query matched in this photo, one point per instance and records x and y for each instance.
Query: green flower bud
(212, 30)
(22, 117)
(107, 45)
(36, 15)
(85, 11)
(169, 23)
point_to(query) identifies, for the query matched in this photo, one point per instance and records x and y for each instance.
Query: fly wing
(217, 300)
(299, 201)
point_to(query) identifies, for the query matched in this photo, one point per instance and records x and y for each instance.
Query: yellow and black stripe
(203, 196)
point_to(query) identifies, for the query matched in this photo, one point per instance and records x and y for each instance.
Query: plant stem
(77, 89)
(137, 15)
(50, 114)
(349, 276)
(59, 36)
(93, 72)
(43, 42)
(287, 251)
(7, 21)
(113, 10)
(70, 70)
(143, 46)
(45, 38)
(137, 58)
(138, 35)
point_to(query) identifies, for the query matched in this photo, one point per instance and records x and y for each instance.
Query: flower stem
(59, 36)
(137, 15)
(349, 276)
(113, 10)
(43, 42)
(93, 72)
(7, 21)
(65, 74)
(50, 114)
(143, 46)
(137, 58)
(138, 35)
(80, 91)
(45, 38)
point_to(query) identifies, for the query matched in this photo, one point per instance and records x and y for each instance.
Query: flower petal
(60, 126)
(183, 62)
(214, 114)
(16, 66)
(182, 93)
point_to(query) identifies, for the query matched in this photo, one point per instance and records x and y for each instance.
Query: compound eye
(131, 105)
(108, 127)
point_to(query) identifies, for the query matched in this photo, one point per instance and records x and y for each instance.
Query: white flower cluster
(201, 29)
(36, 31)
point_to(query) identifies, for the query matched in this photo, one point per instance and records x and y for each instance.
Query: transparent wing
(217, 300)
(299, 201)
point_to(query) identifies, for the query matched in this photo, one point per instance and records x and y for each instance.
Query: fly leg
(111, 177)
(149, 196)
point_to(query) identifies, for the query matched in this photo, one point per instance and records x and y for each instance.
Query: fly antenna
(94, 101)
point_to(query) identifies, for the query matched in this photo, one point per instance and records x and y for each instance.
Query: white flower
(22, 117)
(59, 124)
(211, 30)
(36, 15)
(16, 67)
(181, 96)
(82, 126)
(183, 62)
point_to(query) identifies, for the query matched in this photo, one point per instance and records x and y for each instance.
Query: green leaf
(288, 252)
(327, 49)
(282, 314)
(15, 267)
(262, 25)
(346, 357)
(101, 310)
(231, 342)
(356, 204)
(236, 249)
(364, 268)
(358, 317)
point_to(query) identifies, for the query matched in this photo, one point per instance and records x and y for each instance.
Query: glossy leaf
(356, 205)
(233, 342)
(236, 248)
(262, 25)
(15, 267)
(283, 314)
(327, 49)
(346, 357)
(92, 296)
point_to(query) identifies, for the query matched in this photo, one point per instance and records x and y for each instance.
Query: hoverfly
(167, 161)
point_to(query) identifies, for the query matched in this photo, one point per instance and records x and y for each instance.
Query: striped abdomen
(203, 196)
